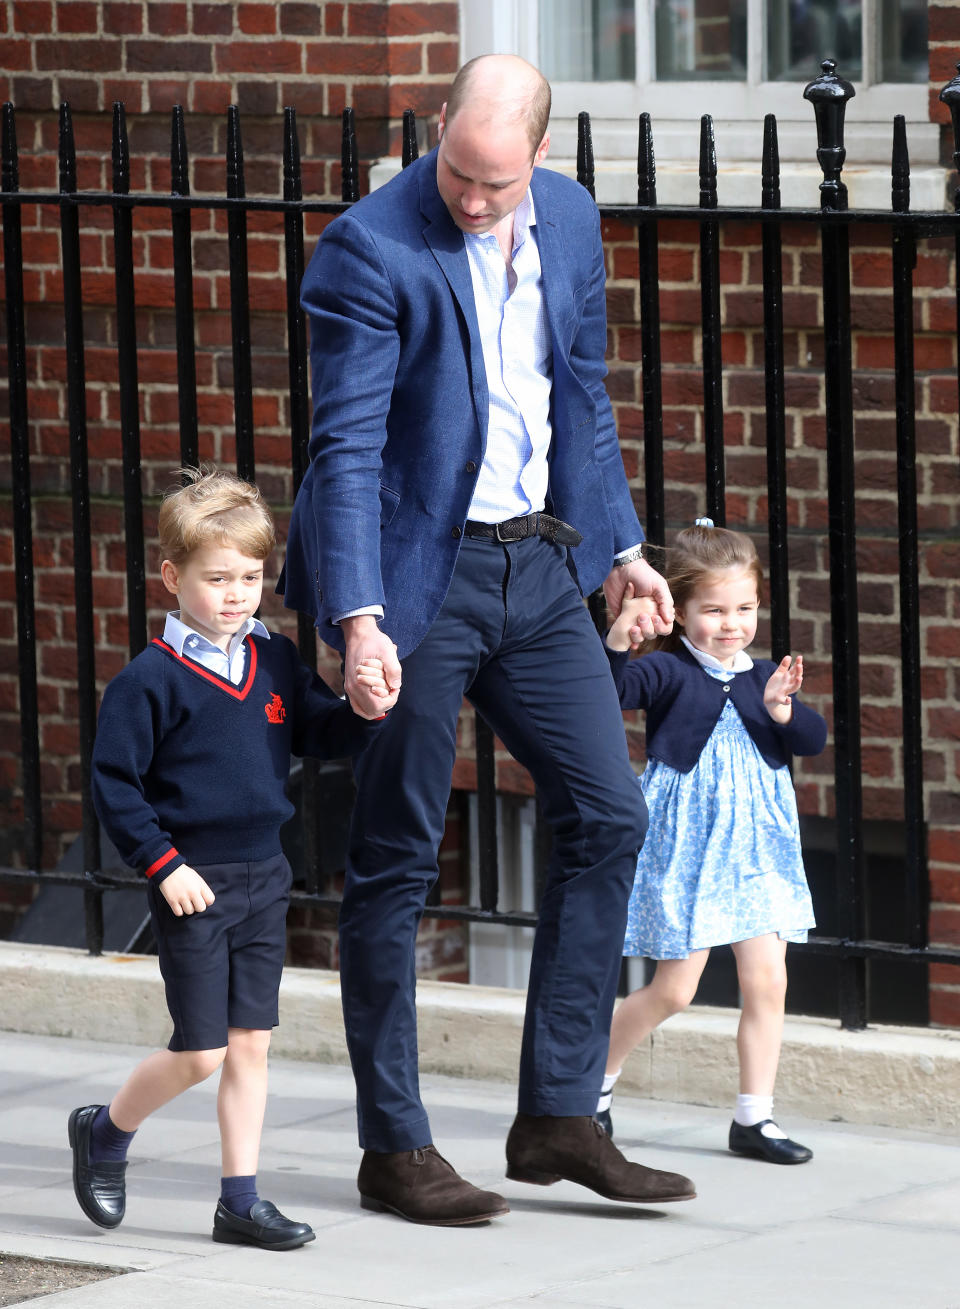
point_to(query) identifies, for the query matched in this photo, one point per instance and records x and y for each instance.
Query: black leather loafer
(266, 1228)
(775, 1149)
(100, 1188)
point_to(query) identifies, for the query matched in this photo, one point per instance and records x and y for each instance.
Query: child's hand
(186, 892)
(625, 634)
(786, 679)
(370, 675)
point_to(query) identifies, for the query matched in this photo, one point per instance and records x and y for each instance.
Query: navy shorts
(222, 967)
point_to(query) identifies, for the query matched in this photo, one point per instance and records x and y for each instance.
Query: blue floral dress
(721, 861)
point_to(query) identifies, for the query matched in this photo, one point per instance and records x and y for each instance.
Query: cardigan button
(726, 688)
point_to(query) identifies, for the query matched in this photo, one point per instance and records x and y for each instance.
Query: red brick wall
(380, 58)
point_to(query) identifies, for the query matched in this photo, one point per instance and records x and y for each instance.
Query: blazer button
(470, 466)
(456, 533)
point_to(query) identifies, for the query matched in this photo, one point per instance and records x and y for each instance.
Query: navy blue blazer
(400, 404)
(684, 703)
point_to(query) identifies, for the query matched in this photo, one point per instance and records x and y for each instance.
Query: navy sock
(239, 1194)
(107, 1143)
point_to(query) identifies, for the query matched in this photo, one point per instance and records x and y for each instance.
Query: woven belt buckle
(517, 529)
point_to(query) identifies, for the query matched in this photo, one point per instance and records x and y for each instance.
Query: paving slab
(873, 1220)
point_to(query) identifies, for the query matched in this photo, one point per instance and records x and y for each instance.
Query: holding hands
(371, 669)
(636, 621)
(784, 682)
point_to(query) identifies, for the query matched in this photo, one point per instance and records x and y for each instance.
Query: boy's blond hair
(214, 508)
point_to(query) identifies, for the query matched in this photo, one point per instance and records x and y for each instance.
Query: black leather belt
(518, 529)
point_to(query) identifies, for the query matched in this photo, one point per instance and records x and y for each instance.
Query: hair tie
(703, 522)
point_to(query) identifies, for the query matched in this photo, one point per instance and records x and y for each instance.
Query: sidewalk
(871, 1221)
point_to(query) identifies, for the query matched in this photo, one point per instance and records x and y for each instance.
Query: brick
(167, 19)
(260, 57)
(120, 19)
(77, 17)
(100, 56)
(213, 19)
(421, 19)
(257, 19)
(301, 19)
(365, 19)
(168, 57)
(33, 17)
(329, 58)
(443, 57)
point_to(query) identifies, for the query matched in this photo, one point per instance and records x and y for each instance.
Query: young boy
(189, 771)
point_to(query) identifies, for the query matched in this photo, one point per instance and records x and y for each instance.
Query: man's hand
(626, 634)
(186, 892)
(366, 645)
(646, 581)
(784, 681)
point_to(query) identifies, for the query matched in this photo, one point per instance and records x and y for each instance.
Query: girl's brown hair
(699, 554)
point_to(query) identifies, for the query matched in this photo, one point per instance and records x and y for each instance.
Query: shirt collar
(742, 662)
(178, 635)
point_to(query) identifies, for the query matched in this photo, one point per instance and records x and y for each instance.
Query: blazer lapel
(557, 292)
(445, 241)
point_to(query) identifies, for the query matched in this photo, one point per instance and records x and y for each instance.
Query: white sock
(606, 1091)
(753, 1109)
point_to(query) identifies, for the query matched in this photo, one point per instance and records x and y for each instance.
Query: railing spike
(121, 150)
(349, 166)
(236, 185)
(67, 152)
(179, 158)
(708, 164)
(292, 175)
(900, 167)
(11, 165)
(585, 170)
(646, 164)
(411, 150)
(770, 176)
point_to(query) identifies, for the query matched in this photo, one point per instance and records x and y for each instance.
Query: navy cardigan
(684, 703)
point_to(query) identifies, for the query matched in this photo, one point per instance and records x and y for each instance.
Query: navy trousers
(515, 638)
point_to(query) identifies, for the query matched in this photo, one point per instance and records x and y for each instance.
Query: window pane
(802, 33)
(588, 40)
(903, 41)
(701, 39)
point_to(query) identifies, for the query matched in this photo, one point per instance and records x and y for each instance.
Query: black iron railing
(828, 94)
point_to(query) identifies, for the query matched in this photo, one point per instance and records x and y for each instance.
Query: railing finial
(829, 94)
(411, 148)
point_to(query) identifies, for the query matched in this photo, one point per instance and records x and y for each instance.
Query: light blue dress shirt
(518, 360)
(230, 663)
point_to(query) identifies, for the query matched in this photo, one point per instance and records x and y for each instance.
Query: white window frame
(738, 109)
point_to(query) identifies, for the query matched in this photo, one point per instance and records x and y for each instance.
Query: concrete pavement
(873, 1220)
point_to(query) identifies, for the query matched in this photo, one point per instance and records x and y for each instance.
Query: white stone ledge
(885, 1076)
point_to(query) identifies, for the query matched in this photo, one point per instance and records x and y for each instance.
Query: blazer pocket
(389, 502)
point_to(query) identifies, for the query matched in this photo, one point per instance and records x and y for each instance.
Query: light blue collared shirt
(229, 663)
(518, 358)
(742, 662)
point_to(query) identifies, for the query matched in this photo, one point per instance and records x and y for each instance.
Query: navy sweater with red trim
(188, 768)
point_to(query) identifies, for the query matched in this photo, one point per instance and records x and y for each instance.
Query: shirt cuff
(375, 610)
(620, 553)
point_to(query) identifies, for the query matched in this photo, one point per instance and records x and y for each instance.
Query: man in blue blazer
(462, 445)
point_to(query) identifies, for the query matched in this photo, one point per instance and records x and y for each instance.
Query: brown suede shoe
(544, 1150)
(422, 1187)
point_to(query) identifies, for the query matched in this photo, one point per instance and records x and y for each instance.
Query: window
(735, 59)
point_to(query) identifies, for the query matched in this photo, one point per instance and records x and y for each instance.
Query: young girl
(721, 863)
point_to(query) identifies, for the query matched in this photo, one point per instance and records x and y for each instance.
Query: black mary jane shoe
(266, 1228)
(775, 1149)
(100, 1188)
